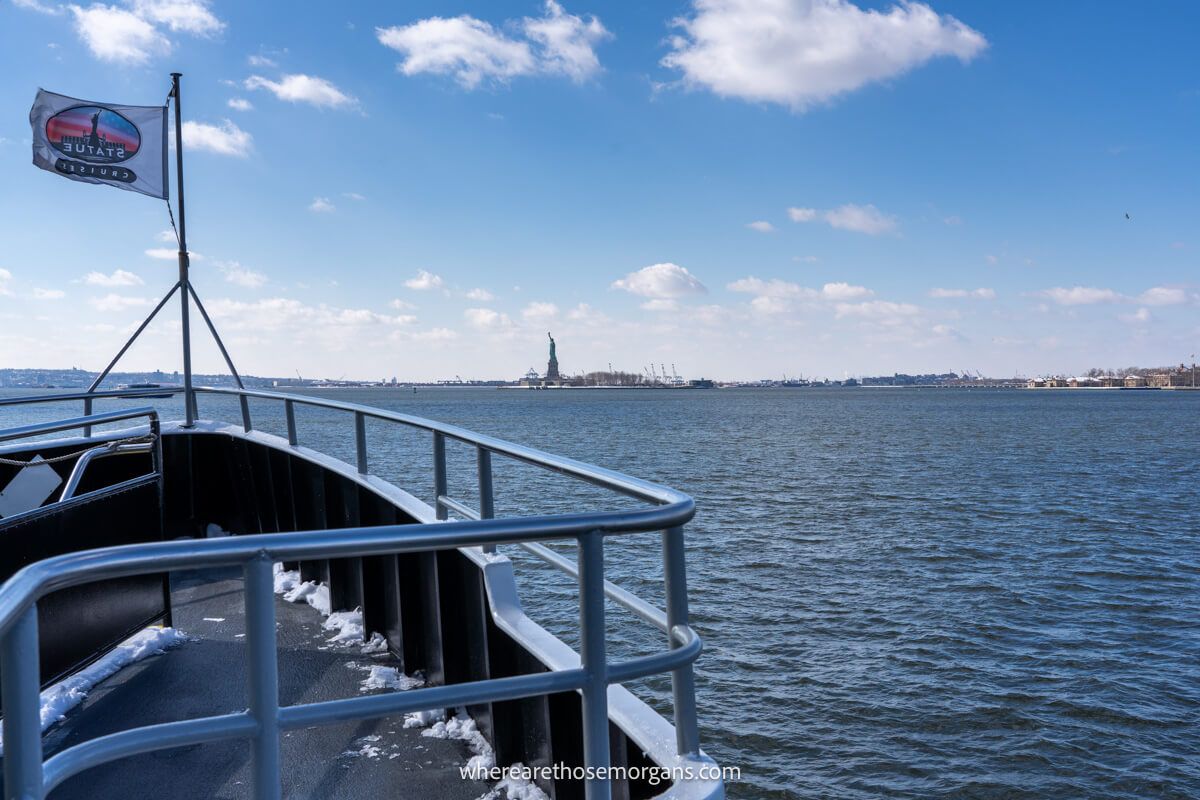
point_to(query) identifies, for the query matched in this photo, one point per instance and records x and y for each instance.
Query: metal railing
(150, 444)
(26, 776)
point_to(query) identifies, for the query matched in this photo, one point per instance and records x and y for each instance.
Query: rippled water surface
(903, 593)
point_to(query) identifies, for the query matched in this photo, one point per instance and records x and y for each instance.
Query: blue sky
(744, 188)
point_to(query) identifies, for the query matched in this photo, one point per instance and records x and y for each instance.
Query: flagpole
(184, 284)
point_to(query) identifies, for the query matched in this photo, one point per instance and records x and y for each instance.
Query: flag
(121, 146)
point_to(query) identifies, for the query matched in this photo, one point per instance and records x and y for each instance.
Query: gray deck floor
(207, 676)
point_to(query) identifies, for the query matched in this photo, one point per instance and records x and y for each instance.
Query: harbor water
(903, 593)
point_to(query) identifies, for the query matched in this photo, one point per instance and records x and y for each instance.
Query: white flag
(121, 146)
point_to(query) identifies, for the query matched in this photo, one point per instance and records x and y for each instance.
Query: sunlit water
(903, 593)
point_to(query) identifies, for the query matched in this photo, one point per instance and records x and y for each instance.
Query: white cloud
(776, 296)
(978, 294)
(5, 279)
(1163, 296)
(539, 311)
(1080, 295)
(39, 7)
(226, 139)
(660, 304)
(480, 295)
(566, 43)
(473, 51)
(167, 235)
(260, 61)
(304, 89)
(585, 314)
(486, 318)
(798, 53)
(118, 278)
(661, 281)
(238, 275)
(469, 49)
(321, 205)
(861, 219)
(187, 16)
(772, 288)
(332, 327)
(434, 335)
(1141, 315)
(134, 34)
(844, 291)
(239, 104)
(117, 302)
(947, 332)
(771, 304)
(48, 294)
(876, 309)
(762, 226)
(355, 196)
(401, 305)
(118, 35)
(424, 281)
(849, 217)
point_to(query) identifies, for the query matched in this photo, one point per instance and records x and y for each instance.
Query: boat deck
(208, 676)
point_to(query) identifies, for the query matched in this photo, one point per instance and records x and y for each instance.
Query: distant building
(1179, 377)
(1035, 383)
(1135, 382)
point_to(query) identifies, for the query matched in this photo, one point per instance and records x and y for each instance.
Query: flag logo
(113, 145)
(94, 134)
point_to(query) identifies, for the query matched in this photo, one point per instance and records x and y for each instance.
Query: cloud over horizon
(474, 51)
(800, 53)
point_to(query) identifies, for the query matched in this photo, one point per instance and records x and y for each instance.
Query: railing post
(20, 693)
(264, 676)
(594, 660)
(245, 403)
(360, 441)
(683, 682)
(487, 501)
(439, 474)
(87, 412)
(289, 408)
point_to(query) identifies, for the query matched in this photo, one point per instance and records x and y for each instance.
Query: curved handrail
(611, 479)
(40, 578)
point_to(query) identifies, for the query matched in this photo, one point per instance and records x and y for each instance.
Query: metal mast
(185, 287)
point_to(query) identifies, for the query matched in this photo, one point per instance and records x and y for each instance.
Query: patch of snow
(419, 719)
(493, 558)
(462, 727)
(376, 644)
(63, 696)
(348, 624)
(387, 678)
(366, 747)
(515, 788)
(312, 593)
(214, 619)
(285, 580)
(215, 531)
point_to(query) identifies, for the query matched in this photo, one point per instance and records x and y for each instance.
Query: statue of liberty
(552, 367)
(94, 138)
